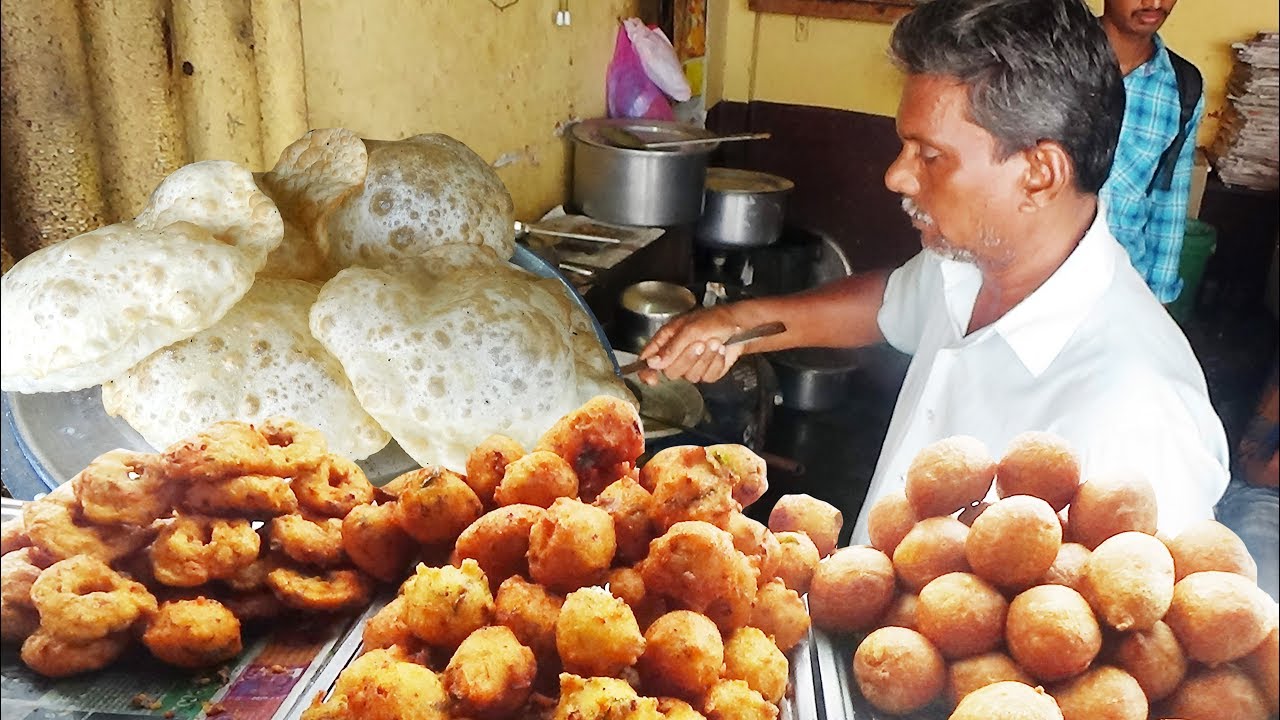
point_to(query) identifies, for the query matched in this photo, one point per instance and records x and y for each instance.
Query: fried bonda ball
(630, 506)
(948, 475)
(436, 505)
(898, 670)
(972, 673)
(1154, 658)
(446, 604)
(309, 541)
(1110, 504)
(602, 698)
(487, 464)
(385, 685)
(1068, 567)
(757, 542)
(602, 440)
(687, 486)
(387, 628)
(597, 634)
(530, 611)
(572, 545)
(889, 520)
(193, 633)
(1007, 700)
(499, 541)
(627, 584)
(781, 613)
(735, 700)
(675, 709)
(902, 611)
(375, 542)
(54, 657)
(683, 655)
(798, 558)
(818, 519)
(1014, 542)
(933, 548)
(961, 614)
(745, 471)
(1210, 545)
(1101, 693)
(491, 673)
(750, 655)
(1219, 617)
(695, 567)
(1129, 581)
(1223, 693)
(851, 589)
(1039, 464)
(536, 479)
(1263, 665)
(1052, 632)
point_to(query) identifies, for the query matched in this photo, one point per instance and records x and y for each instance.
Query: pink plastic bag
(659, 59)
(628, 90)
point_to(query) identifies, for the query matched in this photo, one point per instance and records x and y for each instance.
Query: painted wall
(504, 81)
(843, 64)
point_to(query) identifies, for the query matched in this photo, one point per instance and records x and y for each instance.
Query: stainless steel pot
(742, 208)
(813, 378)
(645, 307)
(639, 187)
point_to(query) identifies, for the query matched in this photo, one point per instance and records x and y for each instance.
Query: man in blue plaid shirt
(1147, 219)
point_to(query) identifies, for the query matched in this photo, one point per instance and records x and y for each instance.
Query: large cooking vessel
(628, 186)
(813, 379)
(742, 208)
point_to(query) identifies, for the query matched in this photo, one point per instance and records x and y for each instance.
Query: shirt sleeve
(906, 299)
(1167, 223)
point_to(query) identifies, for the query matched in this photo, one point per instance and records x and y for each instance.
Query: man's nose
(900, 178)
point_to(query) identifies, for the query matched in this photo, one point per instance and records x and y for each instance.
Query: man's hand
(691, 347)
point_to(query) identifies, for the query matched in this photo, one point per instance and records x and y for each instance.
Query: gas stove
(785, 266)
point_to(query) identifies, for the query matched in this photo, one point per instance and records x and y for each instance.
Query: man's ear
(1048, 173)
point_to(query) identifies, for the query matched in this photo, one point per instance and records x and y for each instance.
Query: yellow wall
(502, 81)
(843, 64)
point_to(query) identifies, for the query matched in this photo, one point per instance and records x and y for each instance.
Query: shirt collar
(1156, 62)
(1037, 328)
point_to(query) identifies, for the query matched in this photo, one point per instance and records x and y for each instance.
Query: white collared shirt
(1091, 355)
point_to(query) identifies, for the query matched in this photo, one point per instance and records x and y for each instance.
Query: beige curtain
(100, 99)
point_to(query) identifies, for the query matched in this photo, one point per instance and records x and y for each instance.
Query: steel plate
(49, 437)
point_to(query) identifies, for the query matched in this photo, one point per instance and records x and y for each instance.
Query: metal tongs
(754, 333)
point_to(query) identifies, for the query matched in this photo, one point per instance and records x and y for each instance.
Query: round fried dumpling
(1101, 693)
(258, 361)
(597, 634)
(899, 670)
(421, 192)
(1129, 581)
(446, 350)
(1052, 633)
(1218, 616)
(1007, 700)
(80, 312)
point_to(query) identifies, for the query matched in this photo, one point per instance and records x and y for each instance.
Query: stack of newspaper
(1247, 149)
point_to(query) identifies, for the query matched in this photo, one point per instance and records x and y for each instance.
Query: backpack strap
(1190, 86)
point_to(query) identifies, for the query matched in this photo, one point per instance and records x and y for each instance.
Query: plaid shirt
(1149, 222)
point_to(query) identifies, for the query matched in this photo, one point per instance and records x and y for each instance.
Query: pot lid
(596, 132)
(733, 180)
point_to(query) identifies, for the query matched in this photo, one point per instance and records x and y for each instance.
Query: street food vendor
(1022, 311)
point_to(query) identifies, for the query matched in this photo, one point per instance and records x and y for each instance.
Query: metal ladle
(623, 137)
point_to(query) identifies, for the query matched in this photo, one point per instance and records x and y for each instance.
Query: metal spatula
(754, 333)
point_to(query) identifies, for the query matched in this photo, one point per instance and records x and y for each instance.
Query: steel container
(813, 379)
(643, 308)
(629, 186)
(742, 208)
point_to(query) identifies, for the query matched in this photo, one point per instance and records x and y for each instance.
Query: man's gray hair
(1035, 70)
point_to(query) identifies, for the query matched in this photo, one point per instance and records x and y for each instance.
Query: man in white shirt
(1022, 312)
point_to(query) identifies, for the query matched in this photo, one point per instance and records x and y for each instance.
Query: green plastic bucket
(1198, 244)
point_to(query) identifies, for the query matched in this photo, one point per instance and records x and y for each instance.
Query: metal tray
(49, 437)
